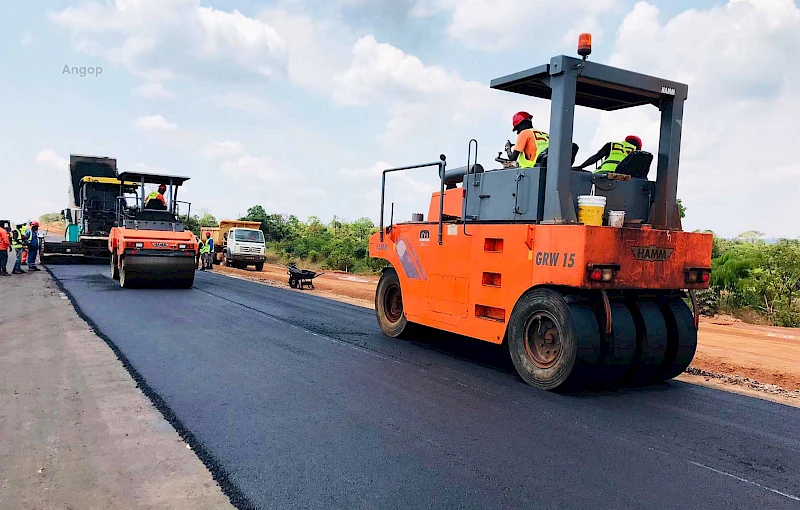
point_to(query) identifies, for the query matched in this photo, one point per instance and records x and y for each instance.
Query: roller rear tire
(621, 346)
(389, 305)
(553, 345)
(651, 344)
(681, 336)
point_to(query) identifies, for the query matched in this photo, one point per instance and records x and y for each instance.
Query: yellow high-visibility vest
(542, 140)
(619, 151)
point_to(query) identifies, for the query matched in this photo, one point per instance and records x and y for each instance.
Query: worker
(5, 247)
(153, 199)
(18, 242)
(204, 251)
(530, 142)
(33, 246)
(613, 153)
(26, 233)
(199, 257)
(209, 259)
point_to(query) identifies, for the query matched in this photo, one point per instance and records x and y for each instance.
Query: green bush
(338, 245)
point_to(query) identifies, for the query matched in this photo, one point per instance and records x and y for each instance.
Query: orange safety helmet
(34, 224)
(635, 140)
(519, 117)
(208, 234)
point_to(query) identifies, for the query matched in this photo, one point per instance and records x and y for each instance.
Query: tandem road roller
(149, 244)
(502, 257)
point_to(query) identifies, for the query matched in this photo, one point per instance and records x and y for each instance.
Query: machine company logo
(668, 90)
(652, 253)
(160, 245)
(424, 236)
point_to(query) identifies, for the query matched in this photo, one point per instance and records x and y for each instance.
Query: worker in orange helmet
(612, 154)
(153, 199)
(530, 141)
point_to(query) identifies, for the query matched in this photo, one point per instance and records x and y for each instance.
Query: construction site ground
(293, 400)
(76, 432)
(731, 354)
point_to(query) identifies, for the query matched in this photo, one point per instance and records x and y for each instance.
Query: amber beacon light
(585, 45)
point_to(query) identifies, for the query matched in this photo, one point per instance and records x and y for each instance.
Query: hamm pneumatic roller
(502, 256)
(149, 244)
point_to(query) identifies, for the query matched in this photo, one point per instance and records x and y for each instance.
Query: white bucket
(590, 209)
(616, 218)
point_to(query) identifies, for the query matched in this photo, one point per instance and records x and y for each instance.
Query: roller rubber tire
(651, 342)
(579, 340)
(126, 280)
(185, 282)
(621, 346)
(682, 338)
(114, 267)
(391, 317)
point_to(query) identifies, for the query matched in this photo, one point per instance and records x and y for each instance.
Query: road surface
(296, 401)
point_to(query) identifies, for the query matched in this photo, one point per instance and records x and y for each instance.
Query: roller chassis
(489, 282)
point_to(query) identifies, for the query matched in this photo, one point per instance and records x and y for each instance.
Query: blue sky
(298, 104)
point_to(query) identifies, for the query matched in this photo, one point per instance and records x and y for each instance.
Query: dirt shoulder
(77, 432)
(755, 360)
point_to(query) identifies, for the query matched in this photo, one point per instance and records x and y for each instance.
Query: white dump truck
(238, 243)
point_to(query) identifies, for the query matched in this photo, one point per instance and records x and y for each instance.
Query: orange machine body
(129, 242)
(470, 283)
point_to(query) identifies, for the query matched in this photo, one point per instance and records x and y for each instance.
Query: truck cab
(244, 247)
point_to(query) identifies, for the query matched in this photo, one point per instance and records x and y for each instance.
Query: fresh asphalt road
(302, 403)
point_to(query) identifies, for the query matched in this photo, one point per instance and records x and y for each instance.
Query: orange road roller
(149, 244)
(512, 256)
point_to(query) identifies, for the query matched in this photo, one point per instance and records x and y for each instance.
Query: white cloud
(155, 123)
(317, 48)
(254, 169)
(242, 102)
(27, 39)
(740, 118)
(50, 159)
(380, 71)
(503, 24)
(427, 102)
(154, 37)
(225, 149)
(153, 90)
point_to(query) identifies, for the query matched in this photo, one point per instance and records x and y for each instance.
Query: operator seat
(636, 164)
(541, 160)
(155, 204)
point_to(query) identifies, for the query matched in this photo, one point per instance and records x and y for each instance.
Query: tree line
(755, 280)
(338, 245)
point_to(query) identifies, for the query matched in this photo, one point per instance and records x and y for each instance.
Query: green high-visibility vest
(204, 247)
(16, 240)
(619, 151)
(542, 140)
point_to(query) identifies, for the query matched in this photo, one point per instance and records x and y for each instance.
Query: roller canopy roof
(598, 86)
(152, 178)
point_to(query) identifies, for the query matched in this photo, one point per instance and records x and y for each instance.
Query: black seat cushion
(636, 164)
(541, 160)
(156, 204)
